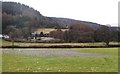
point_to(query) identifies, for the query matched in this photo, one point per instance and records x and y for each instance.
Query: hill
(20, 15)
(67, 21)
(24, 20)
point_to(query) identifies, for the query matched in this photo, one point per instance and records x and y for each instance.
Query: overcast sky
(98, 11)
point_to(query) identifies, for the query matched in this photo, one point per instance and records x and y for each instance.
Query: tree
(13, 33)
(103, 34)
(41, 34)
(79, 32)
(57, 34)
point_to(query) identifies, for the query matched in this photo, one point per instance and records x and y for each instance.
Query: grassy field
(30, 63)
(47, 30)
(0, 61)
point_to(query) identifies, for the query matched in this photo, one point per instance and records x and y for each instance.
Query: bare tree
(103, 34)
(79, 32)
(13, 33)
(57, 34)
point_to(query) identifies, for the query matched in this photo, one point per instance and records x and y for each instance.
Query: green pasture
(30, 63)
(48, 30)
